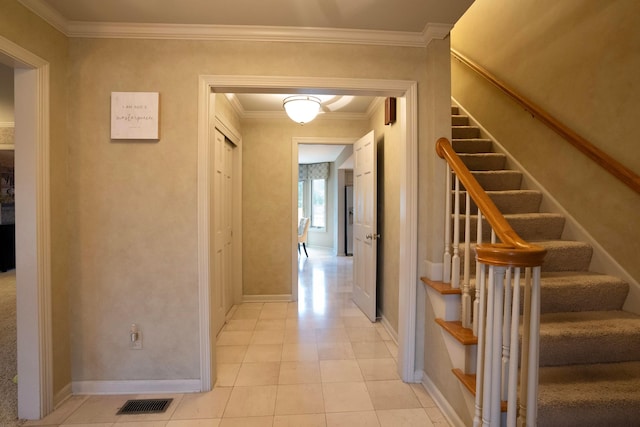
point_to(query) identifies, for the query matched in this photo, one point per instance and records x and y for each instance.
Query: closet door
(222, 218)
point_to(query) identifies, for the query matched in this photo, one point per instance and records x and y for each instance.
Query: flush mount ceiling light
(301, 108)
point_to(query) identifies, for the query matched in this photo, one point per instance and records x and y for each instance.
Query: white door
(222, 210)
(364, 225)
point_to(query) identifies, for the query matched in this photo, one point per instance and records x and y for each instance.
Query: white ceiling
(318, 153)
(376, 15)
(265, 105)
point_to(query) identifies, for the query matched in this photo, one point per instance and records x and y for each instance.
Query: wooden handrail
(513, 251)
(611, 165)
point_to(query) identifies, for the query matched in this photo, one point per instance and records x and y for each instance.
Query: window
(318, 203)
(313, 193)
(300, 200)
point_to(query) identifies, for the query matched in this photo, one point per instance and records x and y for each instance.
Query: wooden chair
(303, 230)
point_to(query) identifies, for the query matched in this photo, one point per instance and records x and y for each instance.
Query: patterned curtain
(313, 171)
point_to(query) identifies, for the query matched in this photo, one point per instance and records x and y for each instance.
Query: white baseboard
(61, 396)
(267, 298)
(442, 403)
(136, 387)
(387, 326)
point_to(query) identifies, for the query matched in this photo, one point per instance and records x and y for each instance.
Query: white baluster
(479, 322)
(512, 394)
(534, 350)
(466, 297)
(506, 335)
(446, 275)
(496, 360)
(476, 314)
(455, 260)
(526, 322)
(487, 398)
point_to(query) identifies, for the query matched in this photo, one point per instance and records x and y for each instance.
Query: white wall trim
(207, 339)
(268, 298)
(442, 403)
(244, 33)
(62, 396)
(433, 31)
(33, 241)
(136, 386)
(7, 124)
(387, 327)
(408, 264)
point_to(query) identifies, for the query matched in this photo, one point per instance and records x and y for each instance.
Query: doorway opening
(406, 91)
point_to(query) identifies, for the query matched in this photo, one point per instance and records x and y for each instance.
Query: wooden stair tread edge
(441, 287)
(469, 382)
(463, 335)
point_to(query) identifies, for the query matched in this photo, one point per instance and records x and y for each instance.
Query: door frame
(33, 236)
(407, 93)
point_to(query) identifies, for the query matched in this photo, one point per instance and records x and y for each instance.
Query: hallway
(319, 362)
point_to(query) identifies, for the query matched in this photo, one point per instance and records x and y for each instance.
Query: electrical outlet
(135, 337)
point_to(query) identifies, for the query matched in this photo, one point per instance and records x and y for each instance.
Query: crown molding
(244, 33)
(435, 32)
(84, 29)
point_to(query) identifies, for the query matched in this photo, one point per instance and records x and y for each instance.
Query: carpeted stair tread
(499, 180)
(459, 120)
(455, 110)
(598, 395)
(530, 226)
(472, 145)
(465, 132)
(568, 291)
(483, 161)
(566, 255)
(509, 201)
(589, 337)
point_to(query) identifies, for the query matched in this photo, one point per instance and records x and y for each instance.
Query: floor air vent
(144, 406)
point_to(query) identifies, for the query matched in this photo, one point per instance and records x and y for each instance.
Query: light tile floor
(315, 363)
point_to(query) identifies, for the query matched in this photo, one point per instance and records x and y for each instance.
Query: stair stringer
(601, 260)
(448, 307)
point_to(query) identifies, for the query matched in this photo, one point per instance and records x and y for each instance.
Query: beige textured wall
(388, 139)
(579, 61)
(267, 197)
(431, 348)
(6, 93)
(42, 40)
(133, 204)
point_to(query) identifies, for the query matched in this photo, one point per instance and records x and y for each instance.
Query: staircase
(589, 346)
